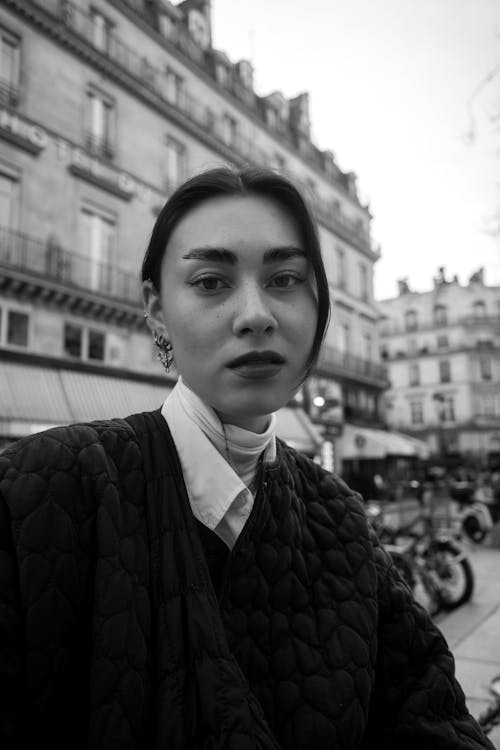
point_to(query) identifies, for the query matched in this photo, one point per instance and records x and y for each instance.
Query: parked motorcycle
(432, 564)
(475, 520)
(475, 507)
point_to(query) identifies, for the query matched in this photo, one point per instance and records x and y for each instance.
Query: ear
(153, 309)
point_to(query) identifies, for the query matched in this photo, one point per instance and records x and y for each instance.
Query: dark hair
(248, 181)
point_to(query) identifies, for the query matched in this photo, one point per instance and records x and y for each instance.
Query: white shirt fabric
(220, 493)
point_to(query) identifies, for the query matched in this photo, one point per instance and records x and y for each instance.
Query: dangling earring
(165, 354)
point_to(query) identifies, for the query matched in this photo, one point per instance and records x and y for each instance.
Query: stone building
(105, 106)
(442, 348)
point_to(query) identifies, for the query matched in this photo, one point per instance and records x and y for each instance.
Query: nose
(253, 313)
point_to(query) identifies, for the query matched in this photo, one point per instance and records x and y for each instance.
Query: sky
(396, 92)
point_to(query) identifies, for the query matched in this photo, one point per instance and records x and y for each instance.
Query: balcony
(393, 328)
(9, 94)
(335, 363)
(99, 146)
(44, 270)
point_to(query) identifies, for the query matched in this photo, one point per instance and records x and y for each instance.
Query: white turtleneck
(218, 468)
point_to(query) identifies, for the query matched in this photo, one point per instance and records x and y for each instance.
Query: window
(175, 162)
(484, 344)
(411, 320)
(97, 245)
(72, 340)
(9, 202)
(412, 347)
(96, 345)
(487, 405)
(271, 116)
(416, 412)
(440, 315)
(341, 268)
(363, 282)
(444, 371)
(367, 347)
(448, 409)
(343, 336)
(100, 124)
(222, 74)
(84, 343)
(442, 342)
(414, 374)
(17, 328)
(229, 130)
(479, 309)
(485, 368)
(175, 88)
(101, 31)
(9, 68)
(167, 26)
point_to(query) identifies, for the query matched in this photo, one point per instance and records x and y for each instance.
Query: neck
(258, 424)
(240, 445)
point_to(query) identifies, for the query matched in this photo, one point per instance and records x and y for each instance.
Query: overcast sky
(392, 85)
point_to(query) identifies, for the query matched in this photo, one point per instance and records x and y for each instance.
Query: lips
(257, 358)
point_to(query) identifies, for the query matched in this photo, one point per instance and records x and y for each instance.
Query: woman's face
(239, 306)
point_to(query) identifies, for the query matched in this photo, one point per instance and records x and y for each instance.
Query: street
(473, 633)
(473, 630)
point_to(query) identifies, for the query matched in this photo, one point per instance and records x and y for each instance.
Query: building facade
(105, 107)
(442, 348)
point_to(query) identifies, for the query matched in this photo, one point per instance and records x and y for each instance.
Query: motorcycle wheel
(454, 572)
(421, 583)
(474, 529)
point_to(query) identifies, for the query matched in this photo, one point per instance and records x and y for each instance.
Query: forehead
(236, 220)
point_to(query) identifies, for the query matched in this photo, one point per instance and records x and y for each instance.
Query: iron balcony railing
(339, 362)
(47, 259)
(99, 146)
(393, 328)
(9, 94)
(139, 66)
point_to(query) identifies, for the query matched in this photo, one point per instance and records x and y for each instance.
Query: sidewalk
(473, 633)
(473, 630)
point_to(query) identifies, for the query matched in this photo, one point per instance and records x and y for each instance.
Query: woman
(183, 579)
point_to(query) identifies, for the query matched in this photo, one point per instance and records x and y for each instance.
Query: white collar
(211, 482)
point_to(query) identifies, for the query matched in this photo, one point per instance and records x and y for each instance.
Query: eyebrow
(223, 255)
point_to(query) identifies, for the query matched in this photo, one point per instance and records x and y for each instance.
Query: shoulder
(317, 481)
(78, 450)
(58, 444)
(323, 493)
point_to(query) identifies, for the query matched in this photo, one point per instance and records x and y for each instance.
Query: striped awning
(369, 443)
(295, 428)
(34, 397)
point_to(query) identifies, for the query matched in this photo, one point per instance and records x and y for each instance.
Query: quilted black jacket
(112, 636)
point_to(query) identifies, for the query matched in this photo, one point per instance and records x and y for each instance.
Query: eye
(286, 280)
(209, 283)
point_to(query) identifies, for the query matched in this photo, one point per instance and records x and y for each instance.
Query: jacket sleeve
(42, 626)
(10, 638)
(417, 701)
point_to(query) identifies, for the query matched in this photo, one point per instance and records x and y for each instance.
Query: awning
(369, 443)
(295, 428)
(33, 398)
